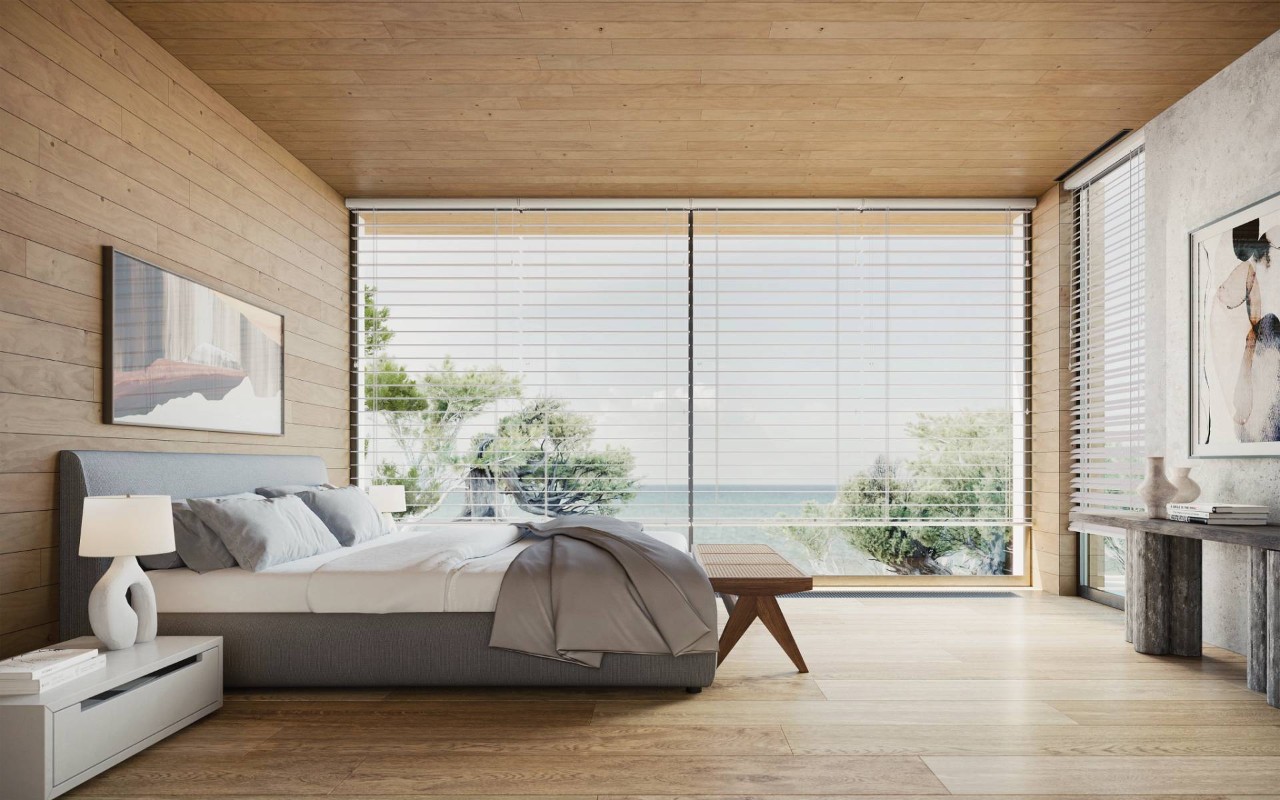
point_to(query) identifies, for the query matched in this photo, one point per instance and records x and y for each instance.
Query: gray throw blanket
(599, 585)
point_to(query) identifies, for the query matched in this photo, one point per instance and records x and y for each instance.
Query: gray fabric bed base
(442, 649)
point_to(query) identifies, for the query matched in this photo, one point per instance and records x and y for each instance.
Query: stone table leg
(1186, 617)
(1257, 655)
(1128, 583)
(1163, 595)
(1273, 628)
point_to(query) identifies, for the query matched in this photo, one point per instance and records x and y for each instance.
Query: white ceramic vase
(1156, 491)
(1188, 490)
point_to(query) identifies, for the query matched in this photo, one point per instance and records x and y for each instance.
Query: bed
(414, 608)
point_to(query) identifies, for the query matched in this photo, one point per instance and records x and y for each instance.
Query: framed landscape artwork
(182, 355)
(1235, 334)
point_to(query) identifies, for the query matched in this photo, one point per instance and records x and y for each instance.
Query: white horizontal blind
(547, 351)
(861, 375)
(855, 374)
(1107, 339)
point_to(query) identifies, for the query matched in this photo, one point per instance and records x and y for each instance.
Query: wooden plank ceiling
(769, 99)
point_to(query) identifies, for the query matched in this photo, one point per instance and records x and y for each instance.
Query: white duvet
(421, 568)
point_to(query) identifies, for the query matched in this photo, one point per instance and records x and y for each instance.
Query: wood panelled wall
(1054, 551)
(106, 139)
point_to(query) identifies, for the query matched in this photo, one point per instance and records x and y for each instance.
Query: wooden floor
(1035, 695)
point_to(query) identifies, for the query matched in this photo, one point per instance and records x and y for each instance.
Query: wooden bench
(749, 578)
(1163, 589)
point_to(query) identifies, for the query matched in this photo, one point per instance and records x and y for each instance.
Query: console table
(1163, 589)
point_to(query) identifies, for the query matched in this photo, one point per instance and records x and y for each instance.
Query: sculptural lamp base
(122, 606)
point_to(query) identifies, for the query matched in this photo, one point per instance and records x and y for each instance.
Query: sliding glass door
(846, 385)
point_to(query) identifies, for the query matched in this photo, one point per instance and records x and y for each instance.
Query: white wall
(1215, 151)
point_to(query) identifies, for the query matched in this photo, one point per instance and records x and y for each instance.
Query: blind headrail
(688, 204)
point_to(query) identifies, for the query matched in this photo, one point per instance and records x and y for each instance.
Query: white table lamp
(389, 499)
(122, 606)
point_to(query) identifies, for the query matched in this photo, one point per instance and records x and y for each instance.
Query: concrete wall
(1215, 151)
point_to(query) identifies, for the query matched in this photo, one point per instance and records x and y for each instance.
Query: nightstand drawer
(94, 730)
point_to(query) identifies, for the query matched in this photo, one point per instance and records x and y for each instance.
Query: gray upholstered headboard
(87, 473)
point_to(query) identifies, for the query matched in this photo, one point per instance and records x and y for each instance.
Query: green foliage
(964, 471)
(815, 538)
(376, 331)
(541, 455)
(420, 491)
(884, 493)
(961, 470)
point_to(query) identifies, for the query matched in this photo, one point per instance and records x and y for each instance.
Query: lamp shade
(388, 498)
(133, 525)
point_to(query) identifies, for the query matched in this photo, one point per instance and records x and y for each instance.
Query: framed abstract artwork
(183, 355)
(1235, 334)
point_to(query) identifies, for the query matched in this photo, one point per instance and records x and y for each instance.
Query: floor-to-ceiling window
(848, 385)
(1108, 364)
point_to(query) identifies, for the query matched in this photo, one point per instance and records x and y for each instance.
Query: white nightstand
(61, 738)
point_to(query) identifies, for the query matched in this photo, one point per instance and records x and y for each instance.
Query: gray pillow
(169, 560)
(348, 513)
(190, 535)
(262, 533)
(198, 545)
(292, 488)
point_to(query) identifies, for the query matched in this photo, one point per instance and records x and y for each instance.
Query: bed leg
(693, 689)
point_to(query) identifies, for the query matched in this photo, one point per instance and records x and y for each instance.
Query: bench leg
(771, 616)
(728, 601)
(744, 613)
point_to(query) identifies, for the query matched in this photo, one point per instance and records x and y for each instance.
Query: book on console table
(1216, 509)
(1228, 519)
(1218, 513)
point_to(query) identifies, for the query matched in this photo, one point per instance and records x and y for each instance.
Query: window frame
(1019, 529)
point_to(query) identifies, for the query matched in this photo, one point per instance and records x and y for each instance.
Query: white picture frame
(1235, 334)
(179, 354)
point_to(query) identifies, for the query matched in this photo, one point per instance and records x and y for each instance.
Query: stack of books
(41, 670)
(1218, 513)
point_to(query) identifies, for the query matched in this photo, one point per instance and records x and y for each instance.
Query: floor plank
(406, 739)
(506, 774)
(1036, 689)
(1106, 775)
(1039, 740)
(831, 713)
(1155, 712)
(213, 774)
